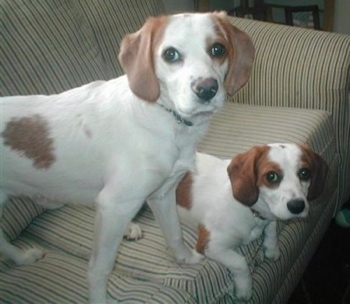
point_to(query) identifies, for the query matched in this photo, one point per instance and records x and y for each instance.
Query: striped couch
(298, 92)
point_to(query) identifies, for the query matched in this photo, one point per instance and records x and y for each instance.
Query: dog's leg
(112, 218)
(47, 203)
(20, 257)
(271, 248)
(237, 265)
(165, 212)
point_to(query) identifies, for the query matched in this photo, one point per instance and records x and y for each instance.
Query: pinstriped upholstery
(66, 233)
(110, 23)
(76, 42)
(307, 69)
(61, 279)
(19, 214)
(57, 45)
(49, 47)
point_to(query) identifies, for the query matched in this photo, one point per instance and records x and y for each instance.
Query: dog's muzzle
(205, 89)
(296, 206)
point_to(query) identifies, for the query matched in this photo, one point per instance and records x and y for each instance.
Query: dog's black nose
(205, 88)
(296, 206)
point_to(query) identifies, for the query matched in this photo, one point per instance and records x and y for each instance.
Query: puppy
(232, 202)
(118, 143)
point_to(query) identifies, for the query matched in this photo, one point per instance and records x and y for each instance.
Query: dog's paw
(189, 257)
(243, 291)
(195, 258)
(272, 253)
(133, 232)
(29, 256)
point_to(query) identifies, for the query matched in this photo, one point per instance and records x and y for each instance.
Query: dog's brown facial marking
(183, 192)
(270, 174)
(31, 137)
(203, 239)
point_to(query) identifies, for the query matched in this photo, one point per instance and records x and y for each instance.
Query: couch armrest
(302, 68)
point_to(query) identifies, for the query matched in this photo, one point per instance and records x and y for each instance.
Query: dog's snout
(296, 206)
(205, 89)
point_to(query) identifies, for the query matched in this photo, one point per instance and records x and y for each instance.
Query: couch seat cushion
(66, 233)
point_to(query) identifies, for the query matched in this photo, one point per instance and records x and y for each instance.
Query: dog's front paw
(133, 232)
(272, 253)
(29, 256)
(195, 258)
(243, 289)
(189, 257)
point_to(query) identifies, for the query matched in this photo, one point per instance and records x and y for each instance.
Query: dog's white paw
(190, 257)
(243, 287)
(272, 253)
(133, 232)
(29, 256)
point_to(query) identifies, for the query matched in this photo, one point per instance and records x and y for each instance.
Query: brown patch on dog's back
(183, 192)
(203, 238)
(30, 136)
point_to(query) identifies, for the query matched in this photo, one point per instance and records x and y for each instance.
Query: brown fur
(203, 239)
(319, 169)
(31, 137)
(242, 172)
(242, 48)
(137, 58)
(183, 192)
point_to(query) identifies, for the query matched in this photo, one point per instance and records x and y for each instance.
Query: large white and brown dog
(120, 142)
(232, 202)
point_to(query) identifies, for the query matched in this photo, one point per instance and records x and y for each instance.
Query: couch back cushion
(49, 46)
(111, 20)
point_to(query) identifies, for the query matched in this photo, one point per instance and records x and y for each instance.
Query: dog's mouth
(198, 108)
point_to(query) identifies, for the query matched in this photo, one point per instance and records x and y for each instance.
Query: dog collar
(257, 214)
(178, 117)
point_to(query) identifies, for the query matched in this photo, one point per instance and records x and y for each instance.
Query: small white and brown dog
(232, 202)
(120, 142)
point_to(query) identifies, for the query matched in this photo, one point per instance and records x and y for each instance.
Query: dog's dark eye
(273, 177)
(304, 174)
(171, 55)
(217, 50)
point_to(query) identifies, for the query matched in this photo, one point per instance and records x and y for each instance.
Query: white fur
(116, 150)
(230, 223)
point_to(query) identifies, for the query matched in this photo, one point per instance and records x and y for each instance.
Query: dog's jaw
(195, 64)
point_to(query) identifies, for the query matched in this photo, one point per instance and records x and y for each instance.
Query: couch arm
(302, 68)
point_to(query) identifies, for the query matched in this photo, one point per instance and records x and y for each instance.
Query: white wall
(176, 6)
(342, 17)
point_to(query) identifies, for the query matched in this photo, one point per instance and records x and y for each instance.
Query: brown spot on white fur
(31, 137)
(240, 51)
(203, 239)
(265, 166)
(183, 192)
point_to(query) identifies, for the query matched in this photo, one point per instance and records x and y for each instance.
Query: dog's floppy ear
(137, 58)
(243, 175)
(319, 171)
(241, 53)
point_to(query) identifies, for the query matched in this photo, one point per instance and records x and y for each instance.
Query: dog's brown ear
(241, 55)
(319, 171)
(243, 175)
(137, 58)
